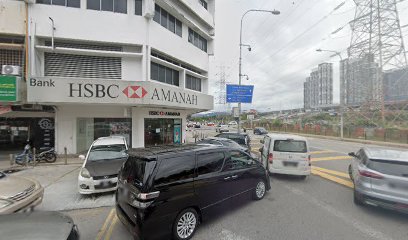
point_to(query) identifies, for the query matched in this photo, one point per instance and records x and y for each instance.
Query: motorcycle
(46, 154)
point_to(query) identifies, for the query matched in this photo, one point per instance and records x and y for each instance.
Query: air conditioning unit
(10, 70)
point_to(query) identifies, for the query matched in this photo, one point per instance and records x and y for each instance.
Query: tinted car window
(290, 146)
(389, 167)
(137, 169)
(209, 162)
(231, 144)
(175, 169)
(238, 160)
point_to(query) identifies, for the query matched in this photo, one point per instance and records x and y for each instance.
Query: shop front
(145, 113)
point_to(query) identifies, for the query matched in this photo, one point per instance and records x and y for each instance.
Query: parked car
(242, 139)
(223, 142)
(260, 131)
(190, 124)
(19, 194)
(210, 124)
(38, 226)
(233, 123)
(380, 178)
(169, 190)
(222, 128)
(286, 154)
(197, 125)
(99, 172)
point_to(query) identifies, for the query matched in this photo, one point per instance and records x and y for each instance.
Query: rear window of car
(290, 146)
(175, 169)
(394, 168)
(137, 170)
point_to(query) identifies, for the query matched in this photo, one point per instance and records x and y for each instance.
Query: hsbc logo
(135, 92)
(104, 91)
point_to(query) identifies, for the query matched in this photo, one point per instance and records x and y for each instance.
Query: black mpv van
(168, 190)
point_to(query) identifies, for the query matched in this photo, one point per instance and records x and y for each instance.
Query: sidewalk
(5, 163)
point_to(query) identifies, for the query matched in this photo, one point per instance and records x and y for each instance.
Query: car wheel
(185, 224)
(260, 190)
(357, 198)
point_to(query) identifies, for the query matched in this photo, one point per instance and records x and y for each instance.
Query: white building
(318, 88)
(121, 67)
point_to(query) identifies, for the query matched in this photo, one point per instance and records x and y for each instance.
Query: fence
(366, 133)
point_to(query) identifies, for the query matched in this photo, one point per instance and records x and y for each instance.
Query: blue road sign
(239, 93)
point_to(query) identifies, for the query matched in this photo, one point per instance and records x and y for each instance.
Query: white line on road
(228, 235)
(363, 228)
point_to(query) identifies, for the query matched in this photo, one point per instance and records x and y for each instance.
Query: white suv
(99, 172)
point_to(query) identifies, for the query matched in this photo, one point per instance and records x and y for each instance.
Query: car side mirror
(82, 157)
(261, 149)
(352, 154)
(262, 141)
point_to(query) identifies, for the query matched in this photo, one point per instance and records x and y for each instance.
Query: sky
(283, 46)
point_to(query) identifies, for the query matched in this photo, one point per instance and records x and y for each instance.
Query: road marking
(111, 227)
(371, 232)
(331, 158)
(340, 174)
(61, 177)
(105, 225)
(341, 181)
(321, 152)
(228, 235)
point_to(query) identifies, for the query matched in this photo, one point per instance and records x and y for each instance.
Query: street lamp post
(341, 92)
(274, 12)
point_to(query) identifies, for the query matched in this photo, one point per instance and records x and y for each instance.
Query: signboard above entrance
(8, 89)
(83, 91)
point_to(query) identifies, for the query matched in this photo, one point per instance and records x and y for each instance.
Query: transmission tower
(376, 45)
(221, 87)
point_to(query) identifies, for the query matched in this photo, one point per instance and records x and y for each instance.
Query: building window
(197, 40)
(164, 74)
(193, 83)
(118, 6)
(203, 3)
(167, 20)
(138, 7)
(66, 3)
(174, 61)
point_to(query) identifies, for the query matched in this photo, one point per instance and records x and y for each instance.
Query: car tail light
(370, 174)
(270, 158)
(142, 200)
(309, 158)
(148, 196)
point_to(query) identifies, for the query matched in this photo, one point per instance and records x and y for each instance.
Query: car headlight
(4, 203)
(85, 173)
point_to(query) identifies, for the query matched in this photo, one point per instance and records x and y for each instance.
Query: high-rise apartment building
(318, 88)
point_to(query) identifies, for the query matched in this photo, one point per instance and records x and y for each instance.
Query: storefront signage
(162, 113)
(63, 90)
(8, 89)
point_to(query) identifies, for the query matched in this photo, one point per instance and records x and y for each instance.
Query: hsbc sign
(65, 90)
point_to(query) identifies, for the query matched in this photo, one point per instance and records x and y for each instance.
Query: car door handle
(234, 177)
(227, 178)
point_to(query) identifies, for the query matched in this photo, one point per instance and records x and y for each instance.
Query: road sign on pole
(235, 112)
(239, 93)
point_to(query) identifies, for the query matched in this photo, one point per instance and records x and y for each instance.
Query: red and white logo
(135, 92)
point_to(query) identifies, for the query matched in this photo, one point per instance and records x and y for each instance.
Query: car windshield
(290, 146)
(388, 167)
(107, 152)
(231, 144)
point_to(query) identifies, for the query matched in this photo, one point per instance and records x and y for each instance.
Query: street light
(341, 92)
(274, 12)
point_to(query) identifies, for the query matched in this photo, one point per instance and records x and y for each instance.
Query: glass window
(58, 2)
(388, 167)
(197, 40)
(169, 76)
(138, 7)
(175, 169)
(156, 17)
(204, 4)
(74, 3)
(93, 4)
(154, 71)
(163, 18)
(44, 1)
(179, 28)
(209, 163)
(176, 78)
(188, 82)
(238, 160)
(290, 146)
(105, 152)
(172, 24)
(107, 5)
(162, 74)
(120, 6)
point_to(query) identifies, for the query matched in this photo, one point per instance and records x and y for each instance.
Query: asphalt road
(320, 207)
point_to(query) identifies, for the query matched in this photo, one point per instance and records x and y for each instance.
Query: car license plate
(290, 164)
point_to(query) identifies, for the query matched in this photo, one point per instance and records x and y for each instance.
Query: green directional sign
(8, 89)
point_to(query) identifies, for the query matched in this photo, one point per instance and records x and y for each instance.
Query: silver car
(380, 178)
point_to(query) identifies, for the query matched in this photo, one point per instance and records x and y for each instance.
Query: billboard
(239, 93)
(8, 89)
